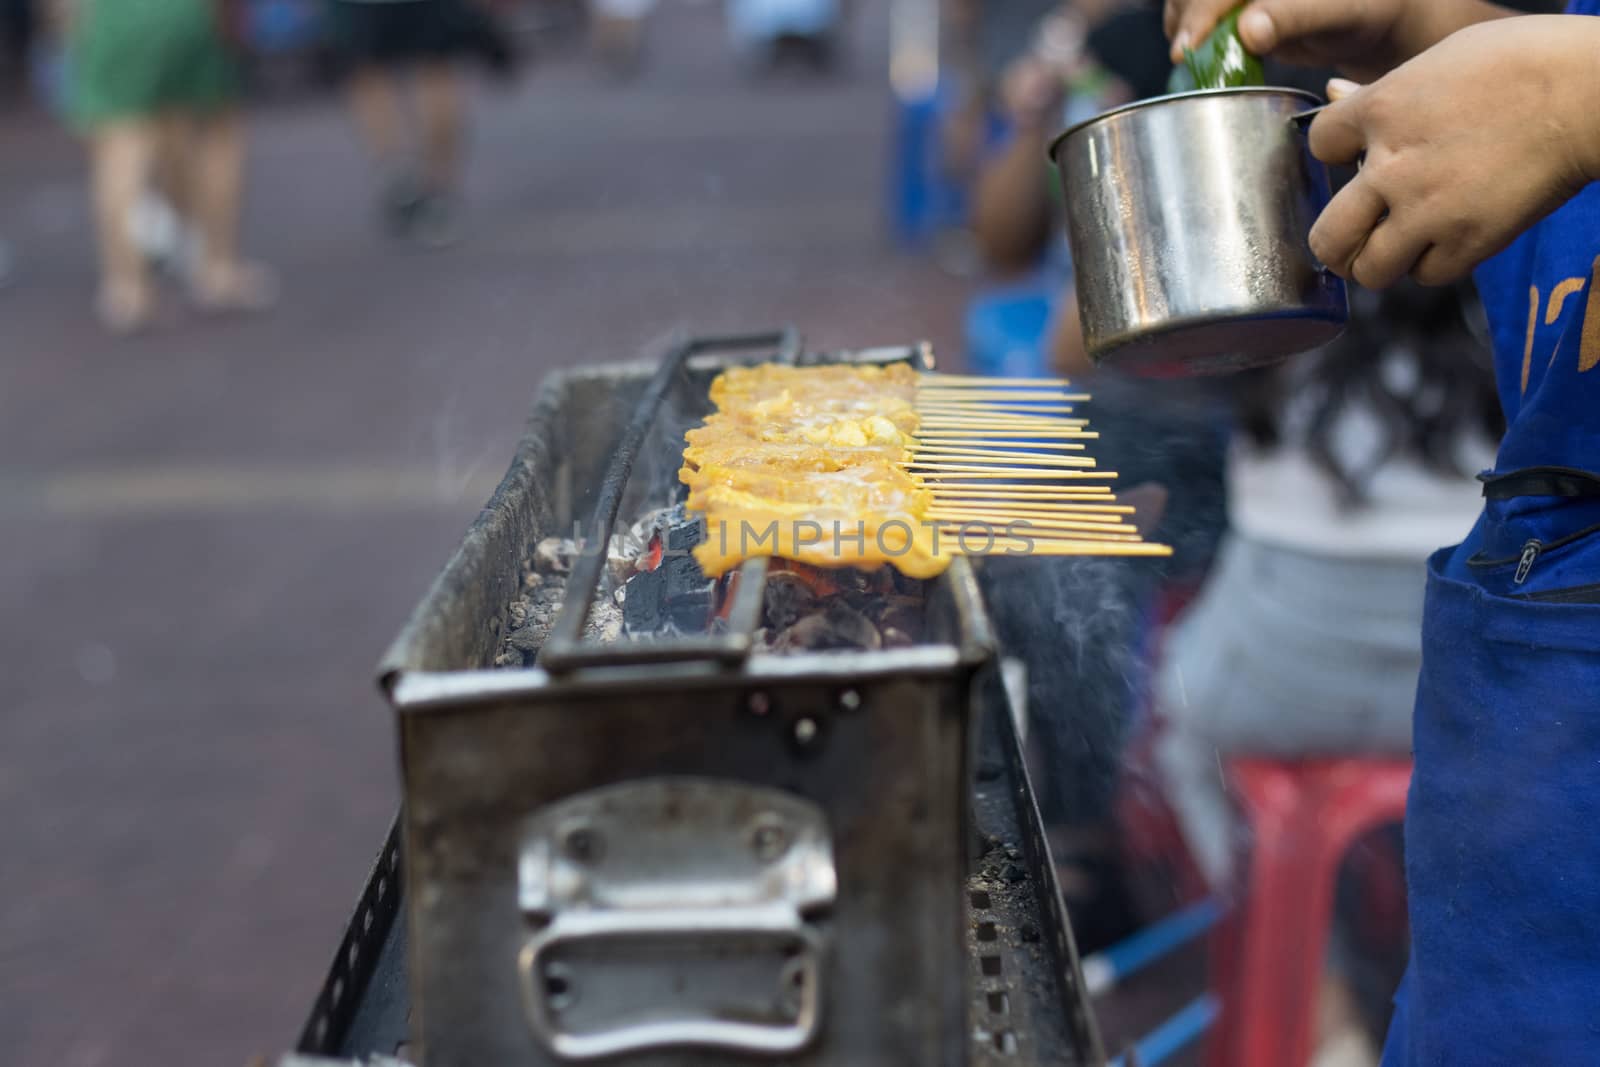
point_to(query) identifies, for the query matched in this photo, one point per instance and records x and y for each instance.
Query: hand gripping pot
(1188, 217)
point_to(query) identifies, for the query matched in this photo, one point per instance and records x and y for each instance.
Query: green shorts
(139, 58)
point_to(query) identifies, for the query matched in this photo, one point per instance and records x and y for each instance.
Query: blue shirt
(1502, 848)
(1543, 299)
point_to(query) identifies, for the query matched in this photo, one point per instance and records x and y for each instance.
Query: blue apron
(1503, 824)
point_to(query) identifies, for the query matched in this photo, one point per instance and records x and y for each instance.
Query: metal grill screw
(792, 988)
(805, 731)
(850, 700)
(760, 703)
(769, 840)
(558, 987)
(582, 844)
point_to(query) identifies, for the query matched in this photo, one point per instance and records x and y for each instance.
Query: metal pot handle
(1301, 122)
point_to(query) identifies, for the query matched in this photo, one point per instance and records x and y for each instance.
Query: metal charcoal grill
(670, 844)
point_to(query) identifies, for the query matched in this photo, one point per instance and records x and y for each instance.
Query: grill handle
(565, 650)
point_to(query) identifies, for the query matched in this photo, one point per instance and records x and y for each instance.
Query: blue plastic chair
(1007, 331)
(752, 23)
(283, 27)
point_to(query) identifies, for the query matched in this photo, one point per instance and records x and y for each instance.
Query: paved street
(210, 532)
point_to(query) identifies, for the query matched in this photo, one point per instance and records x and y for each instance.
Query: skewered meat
(809, 464)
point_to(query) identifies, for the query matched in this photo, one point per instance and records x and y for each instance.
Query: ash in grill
(542, 589)
(658, 589)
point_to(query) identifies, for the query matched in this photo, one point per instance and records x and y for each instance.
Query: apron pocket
(1578, 594)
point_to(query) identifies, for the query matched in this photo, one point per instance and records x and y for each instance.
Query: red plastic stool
(1304, 817)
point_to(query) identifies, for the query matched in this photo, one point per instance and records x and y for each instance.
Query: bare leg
(617, 42)
(169, 172)
(440, 106)
(214, 176)
(375, 102)
(122, 154)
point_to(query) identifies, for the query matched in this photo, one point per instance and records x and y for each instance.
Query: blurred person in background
(385, 43)
(617, 28)
(1087, 684)
(988, 37)
(155, 86)
(18, 24)
(1351, 465)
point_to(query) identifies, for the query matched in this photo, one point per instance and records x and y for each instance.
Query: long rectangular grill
(580, 827)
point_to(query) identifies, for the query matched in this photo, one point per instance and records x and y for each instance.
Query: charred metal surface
(1024, 1000)
(1028, 1001)
(366, 979)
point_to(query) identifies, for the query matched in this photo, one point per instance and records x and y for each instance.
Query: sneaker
(437, 222)
(401, 202)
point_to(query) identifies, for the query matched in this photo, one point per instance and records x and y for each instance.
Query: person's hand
(1031, 92)
(1464, 148)
(1363, 38)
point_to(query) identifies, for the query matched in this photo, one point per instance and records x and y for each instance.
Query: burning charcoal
(893, 638)
(836, 626)
(688, 594)
(605, 623)
(517, 613)
(912, 587)
(622, 557)
(684, 535)
(904, 619)
(644, 607)
(788, 597)
(851, 581)
(510, 658)
(527, 640)
(554, 555)
(853, 629)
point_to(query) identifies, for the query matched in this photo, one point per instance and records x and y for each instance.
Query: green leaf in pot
(1221, 61)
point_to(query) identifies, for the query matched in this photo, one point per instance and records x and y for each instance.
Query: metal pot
(1188, 217)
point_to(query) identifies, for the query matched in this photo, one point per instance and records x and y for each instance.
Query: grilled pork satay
(809, 464)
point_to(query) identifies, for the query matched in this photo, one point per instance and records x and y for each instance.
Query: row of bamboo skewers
(1000, 451)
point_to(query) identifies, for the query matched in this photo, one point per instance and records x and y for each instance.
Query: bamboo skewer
(988, 474)
(964, 461)
(1019, 489)
(1111, 514)
(972, 455)
(1060, 527)
(982, 447)
(998, 399)
(1039, 439)
(986, 418)
(1019, 407)
(959, 494)
(951, 436)
(993, 398)
(1038, 547)
(981, 381)
(999, 515)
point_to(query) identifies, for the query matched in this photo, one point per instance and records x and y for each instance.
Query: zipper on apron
(1530, 552)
